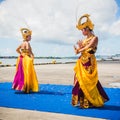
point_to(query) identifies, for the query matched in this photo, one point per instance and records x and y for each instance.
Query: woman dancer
(25, 78)
(87, 91)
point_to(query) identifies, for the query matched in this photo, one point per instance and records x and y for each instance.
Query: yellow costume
(25, 78)
(87, 90)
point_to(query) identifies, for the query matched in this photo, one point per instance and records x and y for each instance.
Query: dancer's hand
(79, 43)
(75, 49)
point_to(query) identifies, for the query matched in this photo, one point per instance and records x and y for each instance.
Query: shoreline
(54, 62)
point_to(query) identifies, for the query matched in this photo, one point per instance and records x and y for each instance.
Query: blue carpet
(57, 98)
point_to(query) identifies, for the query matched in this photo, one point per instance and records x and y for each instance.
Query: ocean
(12, 60)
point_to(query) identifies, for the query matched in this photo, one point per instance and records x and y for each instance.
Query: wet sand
(109, 76)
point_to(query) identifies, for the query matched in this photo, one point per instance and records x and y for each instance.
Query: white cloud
(115, 28)
(48, 19)
(103, 13)
(55, 20)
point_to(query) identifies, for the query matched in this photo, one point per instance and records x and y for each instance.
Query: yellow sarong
(87, 77)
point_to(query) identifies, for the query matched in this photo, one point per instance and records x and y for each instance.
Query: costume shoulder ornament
(25, 32)
(87, 23)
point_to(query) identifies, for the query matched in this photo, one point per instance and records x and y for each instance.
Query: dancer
(87, 91)
(25, 78)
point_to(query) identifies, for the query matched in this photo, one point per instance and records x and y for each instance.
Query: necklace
(89, 38)
(86, 40)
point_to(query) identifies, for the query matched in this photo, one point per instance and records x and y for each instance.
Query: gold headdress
(25, 32)
(88, 23)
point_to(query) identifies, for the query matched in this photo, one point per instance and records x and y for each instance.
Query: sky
(53, 25)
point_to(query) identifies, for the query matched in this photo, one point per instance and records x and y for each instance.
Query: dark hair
(89, 29)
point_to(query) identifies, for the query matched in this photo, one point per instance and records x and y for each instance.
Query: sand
(108, 71)
(109, 76)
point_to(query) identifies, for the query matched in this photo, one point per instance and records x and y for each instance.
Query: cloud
(51, 19)
(54, 21)
(103, 13)
(115, 29)
(48, 19)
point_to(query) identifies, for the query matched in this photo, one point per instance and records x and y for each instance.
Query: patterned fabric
(25, 78)
(86, 91)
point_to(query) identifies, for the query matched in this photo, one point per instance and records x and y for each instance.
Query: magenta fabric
(18, 82)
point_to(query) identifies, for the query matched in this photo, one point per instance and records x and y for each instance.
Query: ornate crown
(25, 32)
(88, 23)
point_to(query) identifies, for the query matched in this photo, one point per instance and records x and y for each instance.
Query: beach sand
(109, 76)
(108, 71)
